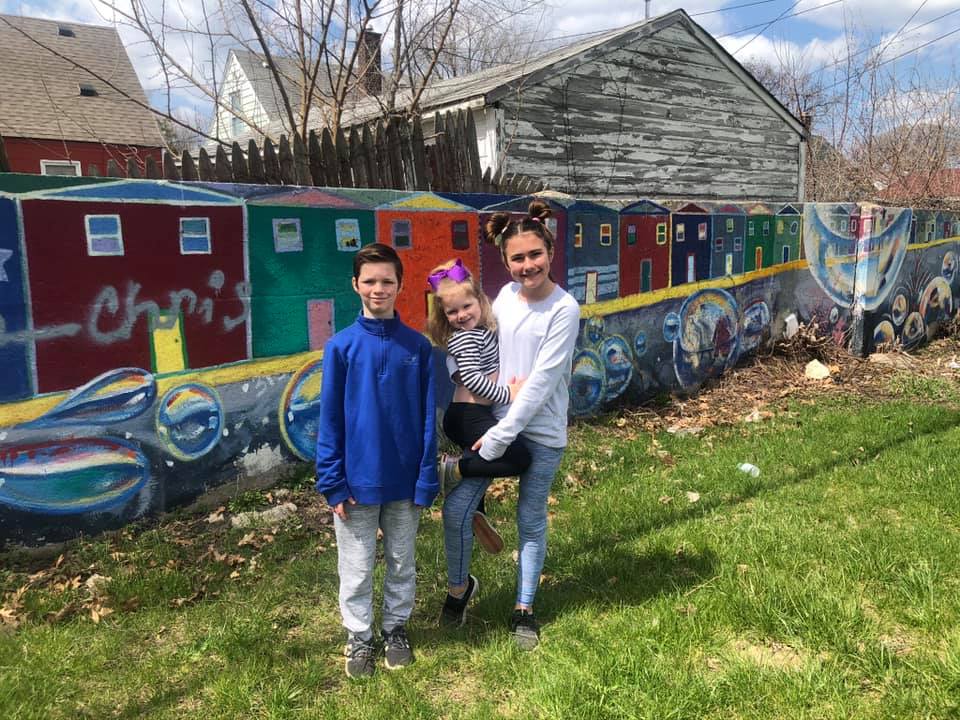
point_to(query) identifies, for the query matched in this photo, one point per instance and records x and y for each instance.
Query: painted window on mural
(750, 230)
(679, 232)
(632, 234)
(780, 227)
(606, 233)
(461, 235)
(401, 234)
(578, 235)
(766, 228)
(661, 233)
(737, 243)
(843, 225)
(786, 254)
(853, 224)
(729, 224)
(104, 236)
(348, 234)
(718, 243)
(794, 227)
(287, 236)
(194, 236)
(702, 232)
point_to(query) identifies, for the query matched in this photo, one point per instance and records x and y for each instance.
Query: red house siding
(431, 244)
(74, 292)
(645, 248)
(25, 154)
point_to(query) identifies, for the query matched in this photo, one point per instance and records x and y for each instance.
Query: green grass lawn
(675, 587)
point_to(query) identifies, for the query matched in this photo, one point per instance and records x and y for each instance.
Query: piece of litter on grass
(692, 496)
(816, 370)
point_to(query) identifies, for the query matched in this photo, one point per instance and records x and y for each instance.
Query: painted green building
(758, 245)
(786, 234)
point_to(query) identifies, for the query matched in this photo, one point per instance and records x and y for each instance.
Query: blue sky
(816, 34)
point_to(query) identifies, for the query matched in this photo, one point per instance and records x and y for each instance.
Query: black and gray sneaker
(525, 629)
(361, 657)
(397, 652)
(448, 472)
(454, 613)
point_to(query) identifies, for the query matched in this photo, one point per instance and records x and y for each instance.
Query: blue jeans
(535, 483)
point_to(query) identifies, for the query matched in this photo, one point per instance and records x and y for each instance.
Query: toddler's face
(461, 307)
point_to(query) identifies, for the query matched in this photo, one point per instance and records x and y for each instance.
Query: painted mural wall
(160, 339)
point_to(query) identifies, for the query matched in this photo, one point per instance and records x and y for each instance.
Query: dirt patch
(768, 654)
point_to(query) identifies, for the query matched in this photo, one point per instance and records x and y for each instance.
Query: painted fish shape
(113, 397)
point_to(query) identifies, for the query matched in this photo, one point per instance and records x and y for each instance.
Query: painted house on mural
(16, 381)
(644, 247)
(691, 247)
(144, 274)
(759, 243)
(729, 226)
(593, 251)
(300, 243)
(494, 273)
(59, 114)
(786, 236)
(654, 109)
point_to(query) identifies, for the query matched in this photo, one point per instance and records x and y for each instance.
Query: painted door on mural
(167, 347)
(758, 258)
(646, 275)
(728, 264)
(591, 294)
(691, 267)
(319, 322)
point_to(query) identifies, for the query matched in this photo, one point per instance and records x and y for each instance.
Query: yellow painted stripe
(933, 243)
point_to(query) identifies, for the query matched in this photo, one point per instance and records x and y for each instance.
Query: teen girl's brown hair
(438, 327)
(501, 226)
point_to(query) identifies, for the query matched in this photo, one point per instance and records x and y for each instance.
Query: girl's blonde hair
(438, 327)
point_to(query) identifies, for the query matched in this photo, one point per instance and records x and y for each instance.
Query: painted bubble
(113, 397)
(190, 420)
(884, 334)
(845, 265)
(671, 327)
(586, 383)
(899, 309)
(593, 330)
(618, 365)
(756, 321)
(913, 329)
(640, 344)
(707, 344)
(949, 267)
(936, 301)
(299, 412)
(834, 315)
(71, 476)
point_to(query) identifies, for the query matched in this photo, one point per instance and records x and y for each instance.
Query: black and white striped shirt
(477, 353)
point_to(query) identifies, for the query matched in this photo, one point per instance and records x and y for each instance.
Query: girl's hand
(515, 386)
(340, 509)
(477, 444)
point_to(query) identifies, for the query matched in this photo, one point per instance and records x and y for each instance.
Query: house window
(461, 235)
(737, 244)
(679, 232)
(64, 31)
(718, 243)
(780, 227)
(661, 233)
(843, 225)
(786, 254)
(606, 233)
(236, 105)
(578, 235)
(70, 168)
(750, 229)
(632, 234)
(348, 234)
(104, 236)
(853, 224)
(730, 225)
(794, 227)
(286, 235)
(401, 234)
(702, 232)
(766, 228)
(88, 90)
(194, 236)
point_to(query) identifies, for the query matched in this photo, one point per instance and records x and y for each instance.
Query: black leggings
(465, 423)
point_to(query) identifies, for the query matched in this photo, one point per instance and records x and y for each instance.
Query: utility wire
(767, 26)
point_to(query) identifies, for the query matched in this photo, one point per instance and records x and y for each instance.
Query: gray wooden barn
(656, 109)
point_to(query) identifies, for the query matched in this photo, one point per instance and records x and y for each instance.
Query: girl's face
(461, 307)
(528, 260)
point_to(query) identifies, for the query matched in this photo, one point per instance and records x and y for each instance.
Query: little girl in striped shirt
(461, 320)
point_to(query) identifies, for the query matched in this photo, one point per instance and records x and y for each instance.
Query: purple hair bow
(456, 272)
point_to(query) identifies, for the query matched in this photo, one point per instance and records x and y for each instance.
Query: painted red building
(644, 248)
(134, 273)
(71, 99)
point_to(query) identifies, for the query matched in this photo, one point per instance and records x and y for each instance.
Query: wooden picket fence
(389, 155)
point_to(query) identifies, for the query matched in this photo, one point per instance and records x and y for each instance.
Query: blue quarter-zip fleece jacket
(377, 437)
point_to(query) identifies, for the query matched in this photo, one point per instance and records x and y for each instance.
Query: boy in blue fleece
(377, 457)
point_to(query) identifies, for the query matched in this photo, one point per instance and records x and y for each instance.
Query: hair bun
(539, 210)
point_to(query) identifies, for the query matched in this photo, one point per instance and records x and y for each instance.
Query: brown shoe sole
(486, 534)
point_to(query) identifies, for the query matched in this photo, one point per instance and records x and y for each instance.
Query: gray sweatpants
(357, 552)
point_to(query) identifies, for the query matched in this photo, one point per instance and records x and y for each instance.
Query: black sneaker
(397, 652)
(525, 630)
(454, 613)
(361, 657)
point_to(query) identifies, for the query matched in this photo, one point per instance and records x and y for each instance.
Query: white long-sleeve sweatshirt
(536, 342)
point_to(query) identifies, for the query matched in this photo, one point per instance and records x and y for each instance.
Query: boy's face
(377, 287)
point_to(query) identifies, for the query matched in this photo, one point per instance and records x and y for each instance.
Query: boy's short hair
(377, 253)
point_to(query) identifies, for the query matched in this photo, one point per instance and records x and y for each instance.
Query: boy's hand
(514, 385)
(340, 509)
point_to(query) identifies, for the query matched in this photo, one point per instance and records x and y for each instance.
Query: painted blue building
(726, 257)
(16, 382)
(691, 248)
(593, 251)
